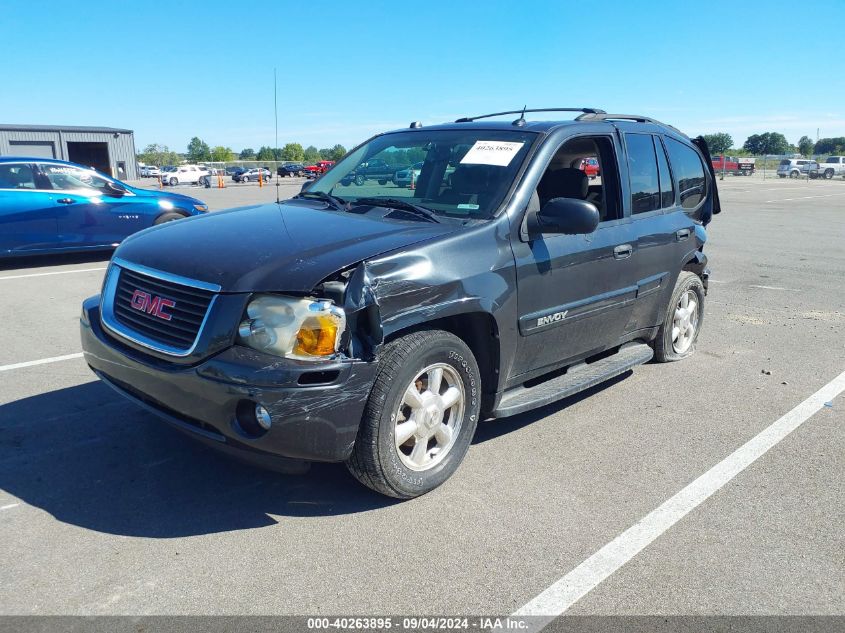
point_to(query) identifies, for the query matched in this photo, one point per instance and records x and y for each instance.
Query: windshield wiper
(337, 203)
(398, 203)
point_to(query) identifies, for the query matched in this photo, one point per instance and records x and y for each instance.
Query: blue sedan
(52, 206)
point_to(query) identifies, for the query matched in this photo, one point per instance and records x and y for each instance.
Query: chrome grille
(167, 312)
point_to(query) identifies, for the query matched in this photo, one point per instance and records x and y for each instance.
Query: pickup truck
(378, 327)
(832, 166)
(738, 166)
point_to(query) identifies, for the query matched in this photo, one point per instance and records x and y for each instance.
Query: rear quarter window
(689, 173)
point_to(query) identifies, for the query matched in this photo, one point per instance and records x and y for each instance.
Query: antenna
(521, 120)
(276, 117)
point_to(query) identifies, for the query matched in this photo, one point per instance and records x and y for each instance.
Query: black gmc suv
(377, 325)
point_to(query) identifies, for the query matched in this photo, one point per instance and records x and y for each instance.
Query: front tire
(828, 174)
(168, 217)
(245, 179)
(173, 182)
(359, 180)
(420, 417)
(683, 320)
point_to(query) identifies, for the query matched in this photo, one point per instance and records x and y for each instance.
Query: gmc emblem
(145, 302)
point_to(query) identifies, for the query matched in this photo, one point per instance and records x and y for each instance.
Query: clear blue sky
(172, 70)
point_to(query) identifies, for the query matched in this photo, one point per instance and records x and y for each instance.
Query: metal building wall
(121, 145)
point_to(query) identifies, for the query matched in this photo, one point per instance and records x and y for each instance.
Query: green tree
(266, 153)
(312, 154)
(753, 144)
(767, 143)
(805, 145)
(247, 154)
(830, 145)
(333, 153)
(718, 143)
(222, 154)
(294, 152)
(198, 150)
(159, 155)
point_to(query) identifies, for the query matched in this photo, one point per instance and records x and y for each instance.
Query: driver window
(66, 177)
(584, 168)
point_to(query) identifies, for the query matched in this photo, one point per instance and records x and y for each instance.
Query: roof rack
(586, 111)
(604, 116)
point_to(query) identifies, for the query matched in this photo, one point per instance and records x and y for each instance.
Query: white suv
(186, 173)
(150, 171)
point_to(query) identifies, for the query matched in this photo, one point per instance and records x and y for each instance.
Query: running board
(577, 378)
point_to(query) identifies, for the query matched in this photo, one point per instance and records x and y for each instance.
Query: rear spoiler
(701, 144)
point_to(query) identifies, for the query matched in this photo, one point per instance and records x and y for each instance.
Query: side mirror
(569, 216)
(113, 189)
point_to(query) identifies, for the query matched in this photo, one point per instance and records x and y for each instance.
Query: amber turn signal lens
(316, 337)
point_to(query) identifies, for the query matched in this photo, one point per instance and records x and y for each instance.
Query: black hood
(272, 247)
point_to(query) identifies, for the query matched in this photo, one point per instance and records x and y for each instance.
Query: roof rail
(604, 116)
(469, 119)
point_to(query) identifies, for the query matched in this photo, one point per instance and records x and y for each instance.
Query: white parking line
(580, 581)
(43, 361)
(776, 288)
(9, 506)
(830, 195)
(57, 272)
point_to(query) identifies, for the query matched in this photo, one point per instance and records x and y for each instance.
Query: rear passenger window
(667, 187)
(642, 173)
(16, 176)
(689, 172)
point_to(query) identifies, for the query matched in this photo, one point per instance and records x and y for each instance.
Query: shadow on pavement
(91, 459)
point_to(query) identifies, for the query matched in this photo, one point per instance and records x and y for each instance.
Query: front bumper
(316, 408)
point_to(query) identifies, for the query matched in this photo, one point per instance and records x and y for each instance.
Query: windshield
(456, 173)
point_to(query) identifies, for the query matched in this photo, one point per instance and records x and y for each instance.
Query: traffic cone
(219, 180)
(413, 181)
(159, 181)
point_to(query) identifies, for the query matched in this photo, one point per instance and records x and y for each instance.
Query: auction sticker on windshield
(499, 153)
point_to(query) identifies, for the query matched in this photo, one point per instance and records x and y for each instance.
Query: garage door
(41, 149)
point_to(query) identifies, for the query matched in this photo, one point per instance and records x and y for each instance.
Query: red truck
(320, 167)
(738, 166)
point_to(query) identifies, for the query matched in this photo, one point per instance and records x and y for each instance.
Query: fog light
(262, 416)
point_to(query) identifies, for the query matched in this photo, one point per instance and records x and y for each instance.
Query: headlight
(294, 328)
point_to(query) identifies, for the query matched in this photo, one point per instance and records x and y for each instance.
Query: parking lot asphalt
(105, 510)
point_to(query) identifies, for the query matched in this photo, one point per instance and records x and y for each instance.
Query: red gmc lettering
(144, 302)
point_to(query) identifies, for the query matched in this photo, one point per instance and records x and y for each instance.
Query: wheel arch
(478, 329)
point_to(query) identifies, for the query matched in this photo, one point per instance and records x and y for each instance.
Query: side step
(577, 378)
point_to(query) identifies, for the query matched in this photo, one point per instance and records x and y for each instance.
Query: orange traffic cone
(219, 180)
(413, 181)
(159, 181)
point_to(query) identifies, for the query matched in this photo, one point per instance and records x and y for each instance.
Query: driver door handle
(65, 200)
(682, 234)
(623, 251)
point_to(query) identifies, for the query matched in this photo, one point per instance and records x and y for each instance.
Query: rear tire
(245, 179)
(359, 180)
(173, 182)
(828, 174)
(675, 340)
(420, 416)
